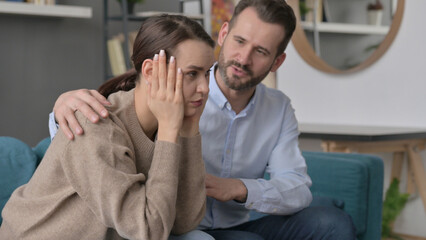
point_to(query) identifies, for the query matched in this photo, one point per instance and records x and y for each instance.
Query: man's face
(249, 50)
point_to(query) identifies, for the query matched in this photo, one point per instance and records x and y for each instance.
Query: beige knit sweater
(111, 183)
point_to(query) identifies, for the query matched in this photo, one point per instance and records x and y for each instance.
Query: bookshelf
(124, 17)
(66, 11)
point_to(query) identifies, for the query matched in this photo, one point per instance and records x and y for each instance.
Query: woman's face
(195, 58)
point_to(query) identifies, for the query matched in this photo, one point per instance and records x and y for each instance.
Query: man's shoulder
(272, 96)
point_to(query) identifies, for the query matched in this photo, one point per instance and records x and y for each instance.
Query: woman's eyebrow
(195, 67)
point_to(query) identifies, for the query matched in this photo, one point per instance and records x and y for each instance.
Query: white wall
(392, 92)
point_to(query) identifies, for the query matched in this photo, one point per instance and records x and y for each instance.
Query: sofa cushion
(349, 183)
(17, 164)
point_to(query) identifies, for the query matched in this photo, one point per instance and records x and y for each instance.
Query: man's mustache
(245, 68)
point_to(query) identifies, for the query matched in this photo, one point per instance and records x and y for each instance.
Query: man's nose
(244, 55)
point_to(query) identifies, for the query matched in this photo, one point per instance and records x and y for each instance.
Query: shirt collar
(215, 93)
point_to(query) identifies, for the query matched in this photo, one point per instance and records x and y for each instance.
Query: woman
(138, 174)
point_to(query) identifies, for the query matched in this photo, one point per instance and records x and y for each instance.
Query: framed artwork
(221, 12)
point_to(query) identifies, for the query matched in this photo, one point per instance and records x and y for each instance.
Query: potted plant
(131, 5)
(375, 13)
(304, 9)
(392, 206)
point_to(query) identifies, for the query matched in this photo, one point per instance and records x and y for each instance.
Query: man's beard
(236, 84)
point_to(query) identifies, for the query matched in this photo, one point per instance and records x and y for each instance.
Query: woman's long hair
(163, 32)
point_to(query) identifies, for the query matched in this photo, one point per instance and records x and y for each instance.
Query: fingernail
(179, 70)
(94, 118)
(78, 130)
(162, 53)
(156, 57)
(172, 59)
(104, 113)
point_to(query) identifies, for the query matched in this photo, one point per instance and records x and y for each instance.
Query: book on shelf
(116, 56)
(131, 40)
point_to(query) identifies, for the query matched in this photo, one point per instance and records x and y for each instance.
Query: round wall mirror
(342, 36)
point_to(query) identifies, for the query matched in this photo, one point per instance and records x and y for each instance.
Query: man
(247, 130)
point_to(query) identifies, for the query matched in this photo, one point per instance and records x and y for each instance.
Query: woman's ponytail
(123, 82)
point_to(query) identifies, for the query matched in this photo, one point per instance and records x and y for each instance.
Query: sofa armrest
(355, 179)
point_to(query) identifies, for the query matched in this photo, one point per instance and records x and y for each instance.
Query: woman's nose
(203, 85)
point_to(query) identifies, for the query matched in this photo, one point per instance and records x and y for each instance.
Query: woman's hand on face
(165, 97)
(191, 125)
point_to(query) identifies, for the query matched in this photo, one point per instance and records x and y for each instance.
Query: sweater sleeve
(100, 166)
(191, 198)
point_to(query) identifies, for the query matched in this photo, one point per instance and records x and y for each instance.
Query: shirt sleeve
(100, 166)
(287, 191)
(53, 126)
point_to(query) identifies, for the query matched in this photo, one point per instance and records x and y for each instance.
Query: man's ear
(223, 33)
(278, 61)
(147, 69)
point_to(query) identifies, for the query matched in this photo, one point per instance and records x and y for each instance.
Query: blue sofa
(353, 182)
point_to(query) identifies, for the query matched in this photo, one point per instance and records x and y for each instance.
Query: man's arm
(226, 189)
(89, 102)
(288, 189)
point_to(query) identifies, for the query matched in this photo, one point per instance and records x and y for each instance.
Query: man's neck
(237, 98)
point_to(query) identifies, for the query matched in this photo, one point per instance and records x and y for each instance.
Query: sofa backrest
(17, 164)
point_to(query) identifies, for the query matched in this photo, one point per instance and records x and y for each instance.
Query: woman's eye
(207, 73)
(192, 74)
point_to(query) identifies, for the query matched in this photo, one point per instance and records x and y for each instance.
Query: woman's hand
(191, 125)
(165, 97)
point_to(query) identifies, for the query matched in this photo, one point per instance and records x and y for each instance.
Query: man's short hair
(270, 11)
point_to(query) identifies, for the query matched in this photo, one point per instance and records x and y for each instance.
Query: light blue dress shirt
(261, 138)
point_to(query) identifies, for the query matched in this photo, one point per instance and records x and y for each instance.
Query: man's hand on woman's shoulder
(89, 102)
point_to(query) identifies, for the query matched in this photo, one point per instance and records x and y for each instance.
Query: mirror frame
(305, 50)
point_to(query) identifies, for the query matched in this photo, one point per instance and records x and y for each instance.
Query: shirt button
(228, 151)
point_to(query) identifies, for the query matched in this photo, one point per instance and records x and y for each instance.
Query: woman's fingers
(171, 76)
(178, 88)
(154, 81)
(162, 70)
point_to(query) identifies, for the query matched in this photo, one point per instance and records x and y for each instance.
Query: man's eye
(261, 52)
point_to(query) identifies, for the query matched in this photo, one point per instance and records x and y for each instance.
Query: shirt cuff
(254, 194)
(53, 126)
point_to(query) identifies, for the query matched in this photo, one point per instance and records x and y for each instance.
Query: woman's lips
(197, 103)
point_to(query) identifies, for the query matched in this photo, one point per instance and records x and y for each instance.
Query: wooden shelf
(157, 13)
(45, 10)
(346, 28)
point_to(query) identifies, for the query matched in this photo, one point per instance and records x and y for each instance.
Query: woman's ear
(147, 70)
